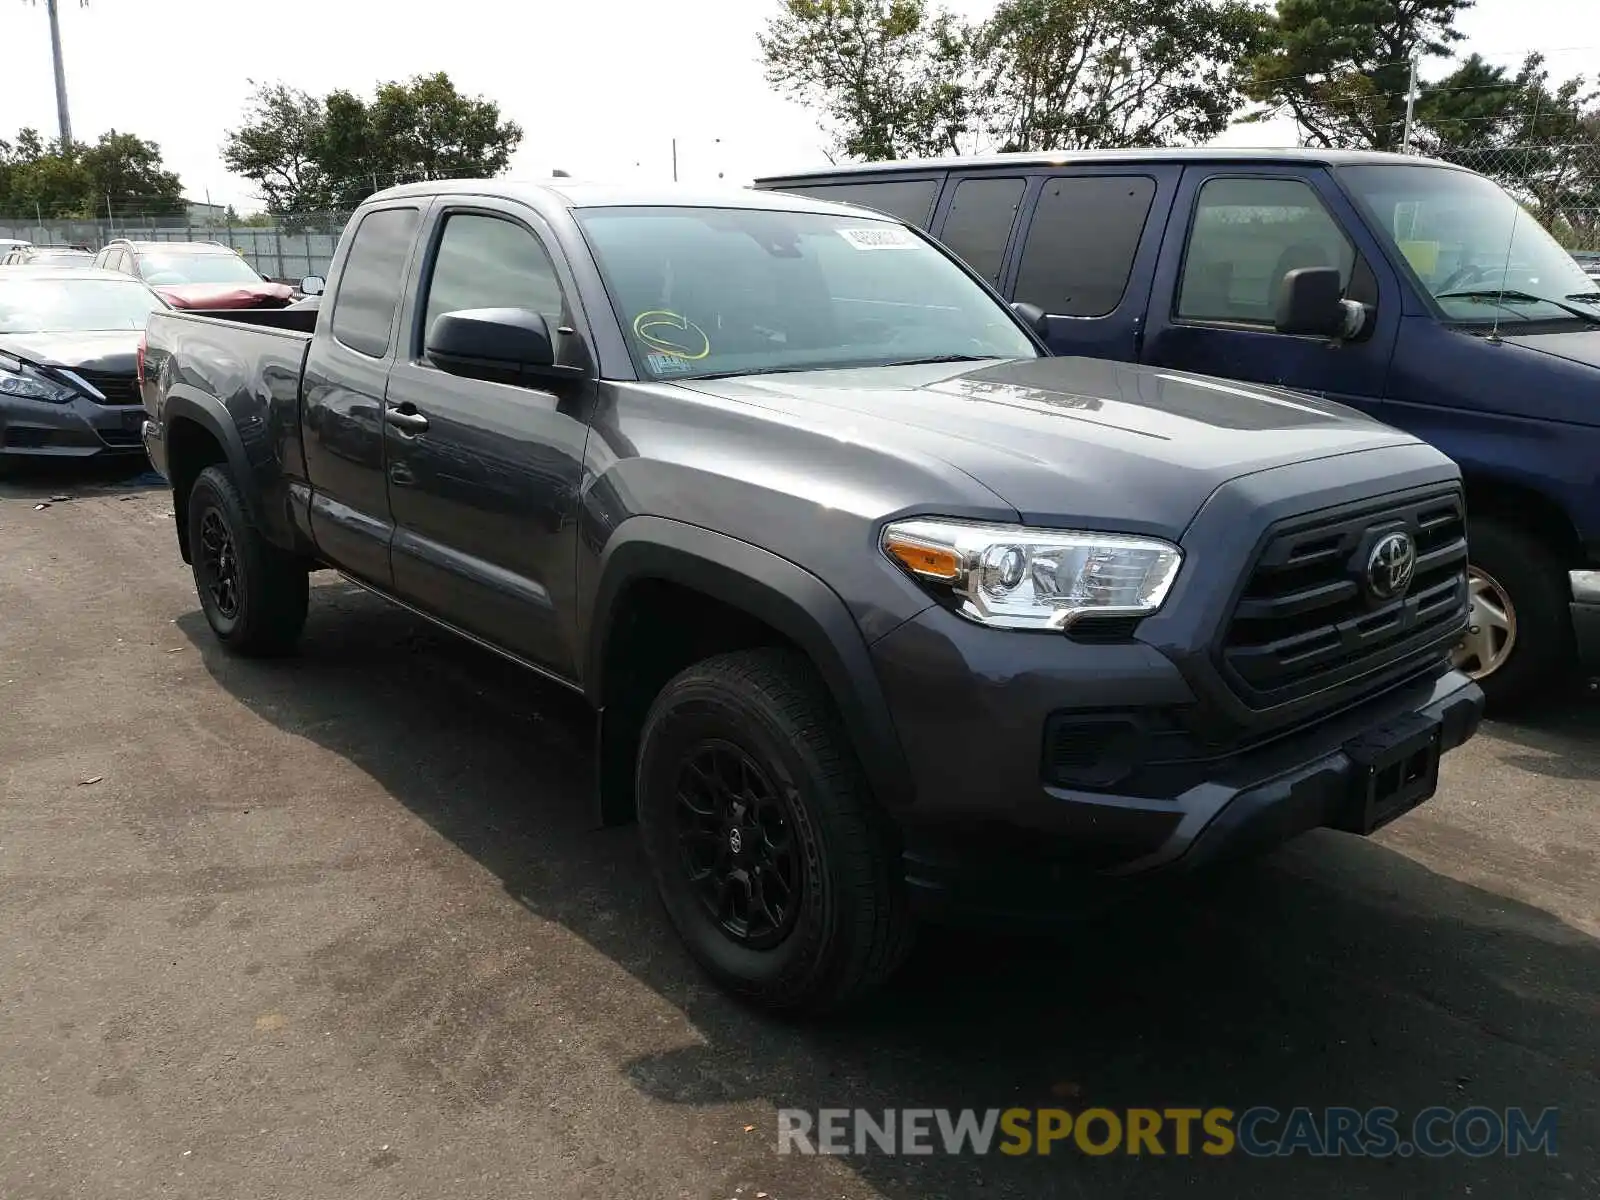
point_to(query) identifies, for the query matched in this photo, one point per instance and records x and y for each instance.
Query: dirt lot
(340, 927)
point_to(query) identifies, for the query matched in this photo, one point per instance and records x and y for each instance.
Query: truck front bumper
(993, 832)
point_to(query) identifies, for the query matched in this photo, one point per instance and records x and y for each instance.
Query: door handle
(411, 422)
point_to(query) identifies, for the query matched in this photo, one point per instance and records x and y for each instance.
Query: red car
(195, 274)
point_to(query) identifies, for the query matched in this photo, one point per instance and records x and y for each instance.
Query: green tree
(129, 171)
(898, 78)
(1341, 67)
(76, 180)
(890, 77)
(308, 153)
(278, 147)
(1072, 74)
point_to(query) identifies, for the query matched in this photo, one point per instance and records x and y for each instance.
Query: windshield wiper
(939, 358)
(1503, 294)
(1591, 297)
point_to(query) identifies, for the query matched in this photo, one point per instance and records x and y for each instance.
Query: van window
(372, 280)
(1247, 234)
(909, 199)
(1081, 244)
(979, 223)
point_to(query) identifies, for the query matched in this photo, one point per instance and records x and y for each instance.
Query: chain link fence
(1557, 181)
(286, 249)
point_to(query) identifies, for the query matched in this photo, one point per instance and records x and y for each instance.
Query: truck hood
(1579, 346)
(109, 350)
(226, 295)
(1066, 441)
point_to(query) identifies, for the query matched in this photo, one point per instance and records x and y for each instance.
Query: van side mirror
(1311, 303)
(312, 285)
(491, 343)
(1034, 317)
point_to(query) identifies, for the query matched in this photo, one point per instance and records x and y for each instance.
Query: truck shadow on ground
(1337, 972)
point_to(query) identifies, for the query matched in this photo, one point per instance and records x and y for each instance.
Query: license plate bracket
(1397, 768)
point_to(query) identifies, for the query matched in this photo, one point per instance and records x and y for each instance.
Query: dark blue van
(1412, 289)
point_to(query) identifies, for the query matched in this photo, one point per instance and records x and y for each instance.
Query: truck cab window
(488, 262)
(373, 279)
(979, 224)
(1081, 242)
(1247, 234)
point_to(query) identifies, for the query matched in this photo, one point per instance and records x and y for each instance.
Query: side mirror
(312, 285)
(1034, 317)
(498, 343)
(1311, 302)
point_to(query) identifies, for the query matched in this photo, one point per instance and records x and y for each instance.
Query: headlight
(29, 385)
(1019, 578)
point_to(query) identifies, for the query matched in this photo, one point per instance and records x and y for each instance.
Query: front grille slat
(119, 390)
(1305, 620)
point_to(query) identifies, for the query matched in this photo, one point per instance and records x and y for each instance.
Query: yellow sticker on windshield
(1423, 257)
(672, 334)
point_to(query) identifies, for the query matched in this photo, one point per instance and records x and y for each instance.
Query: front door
(483, 476)
(1235, 232)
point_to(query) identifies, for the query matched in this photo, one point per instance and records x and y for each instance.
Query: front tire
(1519, 643)
(254, 595)
(770, 855)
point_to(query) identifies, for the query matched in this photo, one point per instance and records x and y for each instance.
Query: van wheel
(253, 594)
(771, 858)
(1518, 642)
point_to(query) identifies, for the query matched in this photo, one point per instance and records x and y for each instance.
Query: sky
(600, 87)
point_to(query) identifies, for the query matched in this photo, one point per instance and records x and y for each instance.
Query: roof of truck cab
(572, 194)
(1062, 158)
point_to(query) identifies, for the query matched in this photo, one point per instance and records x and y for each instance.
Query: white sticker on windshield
(879, 237)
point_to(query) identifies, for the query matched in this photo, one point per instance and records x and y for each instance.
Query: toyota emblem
(735, 840)
(1390, 565)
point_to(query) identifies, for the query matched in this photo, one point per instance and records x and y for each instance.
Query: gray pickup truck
(885, 612)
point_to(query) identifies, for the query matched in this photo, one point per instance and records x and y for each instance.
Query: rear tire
(1514, 572)
(254, 595)
(771, 857)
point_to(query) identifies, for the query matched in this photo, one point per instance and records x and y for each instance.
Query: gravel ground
(339, 926)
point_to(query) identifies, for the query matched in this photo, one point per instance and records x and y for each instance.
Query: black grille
(1307, 620)
(118, 389)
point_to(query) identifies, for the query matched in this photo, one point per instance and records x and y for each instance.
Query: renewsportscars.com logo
(1259, 1132)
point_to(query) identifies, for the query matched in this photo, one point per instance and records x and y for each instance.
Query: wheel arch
(748, 591)
(197, 434)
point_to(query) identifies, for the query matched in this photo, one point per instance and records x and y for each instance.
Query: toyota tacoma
(886, 613)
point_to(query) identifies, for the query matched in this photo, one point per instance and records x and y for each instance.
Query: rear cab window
(373, 278)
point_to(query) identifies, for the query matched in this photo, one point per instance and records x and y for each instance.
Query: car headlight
(1019, 578)
(25, 384)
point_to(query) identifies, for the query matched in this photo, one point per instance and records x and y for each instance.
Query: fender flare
(208, 412)
(786, 597)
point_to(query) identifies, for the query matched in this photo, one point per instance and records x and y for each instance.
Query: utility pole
(674, 160)
(62, 115)
(1411, 105)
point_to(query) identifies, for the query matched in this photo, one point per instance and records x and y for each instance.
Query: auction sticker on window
(879, 237)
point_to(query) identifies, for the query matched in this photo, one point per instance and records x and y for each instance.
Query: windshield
(1462, 233)
(704, 291)
(44, 305)
(164, 268)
